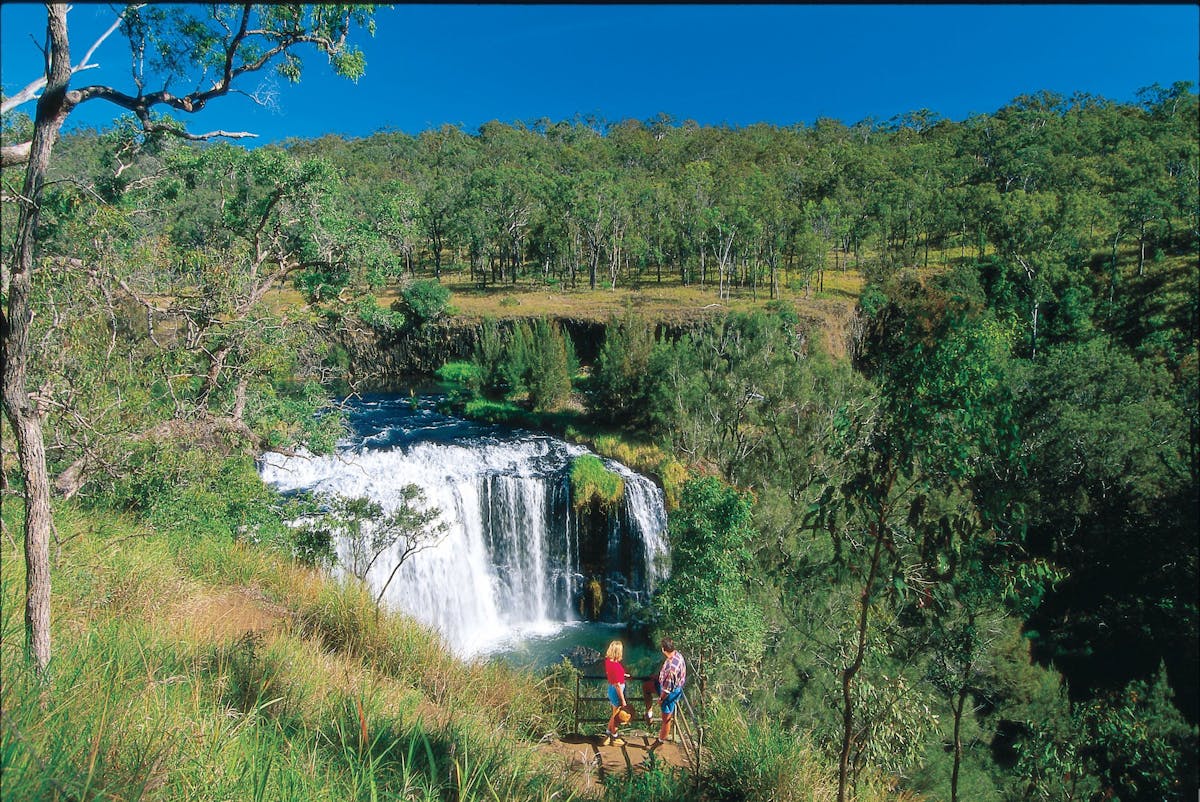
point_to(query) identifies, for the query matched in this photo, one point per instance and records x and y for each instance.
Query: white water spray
(509, 563)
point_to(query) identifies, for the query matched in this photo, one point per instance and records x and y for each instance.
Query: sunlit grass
(327, 703)
(197, 668)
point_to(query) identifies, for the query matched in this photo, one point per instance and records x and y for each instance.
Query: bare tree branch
(14, 155)
(142, 103)
(30, 92)
(200, 137)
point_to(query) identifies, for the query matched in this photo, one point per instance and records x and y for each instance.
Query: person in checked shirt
(669, 686)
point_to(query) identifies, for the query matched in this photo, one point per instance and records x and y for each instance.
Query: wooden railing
(687, 723)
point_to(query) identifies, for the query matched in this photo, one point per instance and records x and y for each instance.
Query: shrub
(550, 366)
(536, 361)
(321, 285)
(489, 357)
(762, 761)
(673, 475)
(489, 411)
(387, 321)
(423, 301)
(707, 597)
(516, 364)
(467, 374)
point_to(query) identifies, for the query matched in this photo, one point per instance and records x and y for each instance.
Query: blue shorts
(613, 696)
(668, 704)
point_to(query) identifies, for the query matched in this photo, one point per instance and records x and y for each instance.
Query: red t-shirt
(614, 671)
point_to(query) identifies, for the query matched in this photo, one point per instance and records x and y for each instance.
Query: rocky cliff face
(377, 357)
(382, 358)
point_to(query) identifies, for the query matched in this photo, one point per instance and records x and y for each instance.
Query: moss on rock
(592, 482)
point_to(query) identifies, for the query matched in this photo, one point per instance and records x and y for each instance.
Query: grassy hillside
(198, 668)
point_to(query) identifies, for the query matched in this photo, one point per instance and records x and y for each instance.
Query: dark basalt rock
(581, 656)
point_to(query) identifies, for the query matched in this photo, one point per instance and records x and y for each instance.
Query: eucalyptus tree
(730, 223)
(444, 158)
(654, 206)
(392, 226)
(369, 531)
(221, 43)
(506, 200)
(270, 227)
(693, 190)
(944, 417)
(595, 209)
(709, 598)
(1141, 190)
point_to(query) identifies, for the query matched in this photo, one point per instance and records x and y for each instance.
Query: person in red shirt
(615, 673)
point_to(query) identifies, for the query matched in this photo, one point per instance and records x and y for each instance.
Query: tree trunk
(851, 670)
(19, 407)
(216, 365)
(239, 398)
(437, 257)
(1141, 248)
(958, 713)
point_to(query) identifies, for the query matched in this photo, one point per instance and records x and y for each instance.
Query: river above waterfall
(517, 557)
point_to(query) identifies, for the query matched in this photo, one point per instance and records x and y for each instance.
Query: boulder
(581, 656)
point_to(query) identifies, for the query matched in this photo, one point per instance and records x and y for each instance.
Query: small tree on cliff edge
(240, 40)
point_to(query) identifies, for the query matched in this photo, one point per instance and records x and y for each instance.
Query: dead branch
(30, 92)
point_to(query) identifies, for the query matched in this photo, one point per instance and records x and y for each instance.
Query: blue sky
(715, 64)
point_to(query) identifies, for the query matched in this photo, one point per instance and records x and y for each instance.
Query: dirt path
(587, 763)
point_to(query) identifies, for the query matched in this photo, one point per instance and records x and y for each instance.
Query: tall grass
(331, 702)
(331, 705)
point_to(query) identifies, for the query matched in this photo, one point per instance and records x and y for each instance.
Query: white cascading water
(508, 565)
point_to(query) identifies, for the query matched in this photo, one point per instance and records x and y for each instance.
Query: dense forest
(956, 558)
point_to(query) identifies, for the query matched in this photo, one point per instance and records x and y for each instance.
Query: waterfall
(510, 562)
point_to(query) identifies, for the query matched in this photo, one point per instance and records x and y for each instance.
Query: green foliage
(367, 531)
(297, 413)
(489, 357)
(424, 301)
(707, 604)
(1145, 748)
(466, 374)
(757, 759)
(324, 285)
(488, 411)
(313, 545)
(1022, 448)
(627, 378)
(517, 363)
(385, 321)
(1108, 450)
(657, 783)
(943, 365)
(592, 483)
(552, 363)
(197, 491)
(140, 708)
(534, 361)
(641, 457)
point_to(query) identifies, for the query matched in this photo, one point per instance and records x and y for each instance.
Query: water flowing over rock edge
(516, 556)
